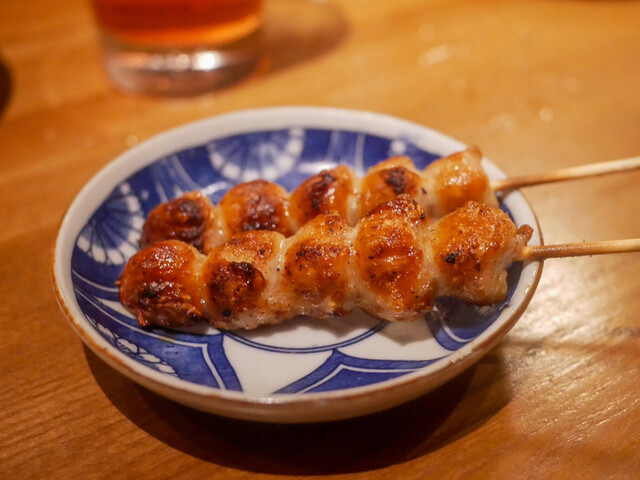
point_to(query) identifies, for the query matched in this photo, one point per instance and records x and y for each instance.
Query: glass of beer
(179, 47)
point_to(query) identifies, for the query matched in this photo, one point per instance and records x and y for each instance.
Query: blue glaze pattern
(286, 156)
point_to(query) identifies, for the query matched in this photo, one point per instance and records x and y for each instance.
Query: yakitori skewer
(392, 264)
(441, 187)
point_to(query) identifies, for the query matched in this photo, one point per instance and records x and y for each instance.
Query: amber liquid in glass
(176, 23)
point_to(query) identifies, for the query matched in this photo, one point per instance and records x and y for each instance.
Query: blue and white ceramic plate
(305, 370)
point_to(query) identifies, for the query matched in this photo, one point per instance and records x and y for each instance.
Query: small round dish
(305, 370)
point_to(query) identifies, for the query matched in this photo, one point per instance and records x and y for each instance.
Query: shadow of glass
(6, 86)
(361, 444)
(298, 30)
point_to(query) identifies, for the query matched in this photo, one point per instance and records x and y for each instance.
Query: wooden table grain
(537, 85)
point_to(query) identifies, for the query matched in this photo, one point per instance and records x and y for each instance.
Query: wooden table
(537, 85)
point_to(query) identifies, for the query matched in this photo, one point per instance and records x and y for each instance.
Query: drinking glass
(179, 47)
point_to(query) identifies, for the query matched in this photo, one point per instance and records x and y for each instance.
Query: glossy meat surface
(256, 205)
(317, 265)
(161, 284)
(442, 187)
(454, 180)
(392, 264)
(236, 276)
(472, 248)
(190, 218)
(387, 180)
(391, 261)
(324, 192)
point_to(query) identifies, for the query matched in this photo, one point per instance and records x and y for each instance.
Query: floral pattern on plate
(310, 356)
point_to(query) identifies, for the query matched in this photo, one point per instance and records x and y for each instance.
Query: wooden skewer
(570, 173)
(541, 252)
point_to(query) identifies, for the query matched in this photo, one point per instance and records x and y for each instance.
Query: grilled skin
(441, 187)
(392, 264)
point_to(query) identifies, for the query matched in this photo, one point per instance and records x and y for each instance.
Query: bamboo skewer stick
(542, 252)
(570, 173)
